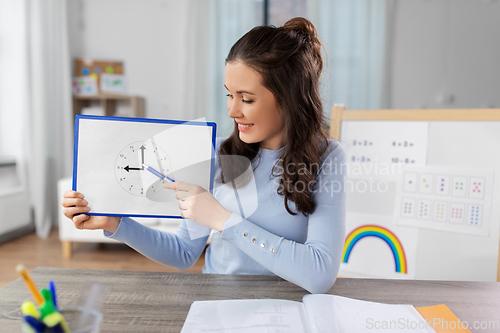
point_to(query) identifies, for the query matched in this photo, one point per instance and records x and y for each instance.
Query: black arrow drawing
(129, 168)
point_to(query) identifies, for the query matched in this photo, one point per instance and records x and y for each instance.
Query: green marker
(50, 316)
(48, 306)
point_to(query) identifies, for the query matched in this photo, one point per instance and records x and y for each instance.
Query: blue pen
(156, 173)
(52, 288)
(35, 324)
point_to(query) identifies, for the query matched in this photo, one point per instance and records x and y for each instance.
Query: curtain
(13, 69)
(196, 82)
(357, 38)
(39, 101)
(356, 34)
(228, 21)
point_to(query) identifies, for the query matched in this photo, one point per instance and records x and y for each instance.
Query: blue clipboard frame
(140, 120)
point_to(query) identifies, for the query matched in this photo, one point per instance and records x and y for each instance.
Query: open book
(317, 313)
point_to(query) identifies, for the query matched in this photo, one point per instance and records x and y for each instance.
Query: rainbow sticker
(380, 232)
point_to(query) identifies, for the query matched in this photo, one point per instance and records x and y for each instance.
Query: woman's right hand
(75, 203)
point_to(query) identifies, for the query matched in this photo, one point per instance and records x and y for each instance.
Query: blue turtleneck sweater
(260, 237)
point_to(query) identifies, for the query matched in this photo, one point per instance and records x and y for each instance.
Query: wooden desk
(159, 302)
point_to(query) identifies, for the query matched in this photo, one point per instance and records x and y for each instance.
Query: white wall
(148, 35)
(446, 54)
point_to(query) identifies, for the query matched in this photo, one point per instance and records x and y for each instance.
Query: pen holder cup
(72, 316)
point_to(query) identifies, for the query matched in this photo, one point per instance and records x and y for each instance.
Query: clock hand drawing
(130, 173)
(157, 156)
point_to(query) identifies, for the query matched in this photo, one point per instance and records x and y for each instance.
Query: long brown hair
(290, 63)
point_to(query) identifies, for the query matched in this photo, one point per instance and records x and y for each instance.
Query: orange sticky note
(441, 319)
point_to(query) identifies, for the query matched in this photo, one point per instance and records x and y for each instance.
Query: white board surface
(442, 254)
(110, 151)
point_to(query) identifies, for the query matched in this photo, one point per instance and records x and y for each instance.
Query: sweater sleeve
(313, 265)
(179, 250)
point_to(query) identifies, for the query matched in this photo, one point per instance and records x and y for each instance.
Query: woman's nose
(233, 109)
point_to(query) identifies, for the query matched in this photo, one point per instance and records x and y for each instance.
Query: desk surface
(159, 302)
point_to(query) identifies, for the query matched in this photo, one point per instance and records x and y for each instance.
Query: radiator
(15, 211)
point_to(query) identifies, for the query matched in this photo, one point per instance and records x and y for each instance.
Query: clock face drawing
(132, 176)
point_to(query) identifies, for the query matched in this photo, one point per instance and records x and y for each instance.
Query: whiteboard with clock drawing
(109, 156)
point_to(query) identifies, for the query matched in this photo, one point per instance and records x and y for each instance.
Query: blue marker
(52, 288)
(35, 324)
(156, 173)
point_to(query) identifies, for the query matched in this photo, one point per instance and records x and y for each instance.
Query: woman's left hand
(199, 205)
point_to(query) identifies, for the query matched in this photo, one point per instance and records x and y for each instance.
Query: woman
(297, 228)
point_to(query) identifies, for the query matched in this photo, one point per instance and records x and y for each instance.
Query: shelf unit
(67, 232)
(108, 103)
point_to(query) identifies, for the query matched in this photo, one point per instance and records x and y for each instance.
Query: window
(277, 12)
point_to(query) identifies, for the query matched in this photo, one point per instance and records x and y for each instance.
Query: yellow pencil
(23, 271)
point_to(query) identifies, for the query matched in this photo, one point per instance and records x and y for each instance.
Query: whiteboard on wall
(431, 251)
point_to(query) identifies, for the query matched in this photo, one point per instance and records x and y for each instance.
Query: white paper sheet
(332, 314)
(445, 198)
(318, 313)
(378, 148)
(245, 316)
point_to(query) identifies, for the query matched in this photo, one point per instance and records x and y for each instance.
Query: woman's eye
(229, 95)
(247, 101)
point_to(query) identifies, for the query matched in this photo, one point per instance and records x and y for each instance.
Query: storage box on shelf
(103, 83)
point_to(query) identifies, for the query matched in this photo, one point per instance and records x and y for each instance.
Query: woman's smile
(244, 127)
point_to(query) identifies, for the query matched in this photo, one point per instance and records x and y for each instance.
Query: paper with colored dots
(448, 199)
